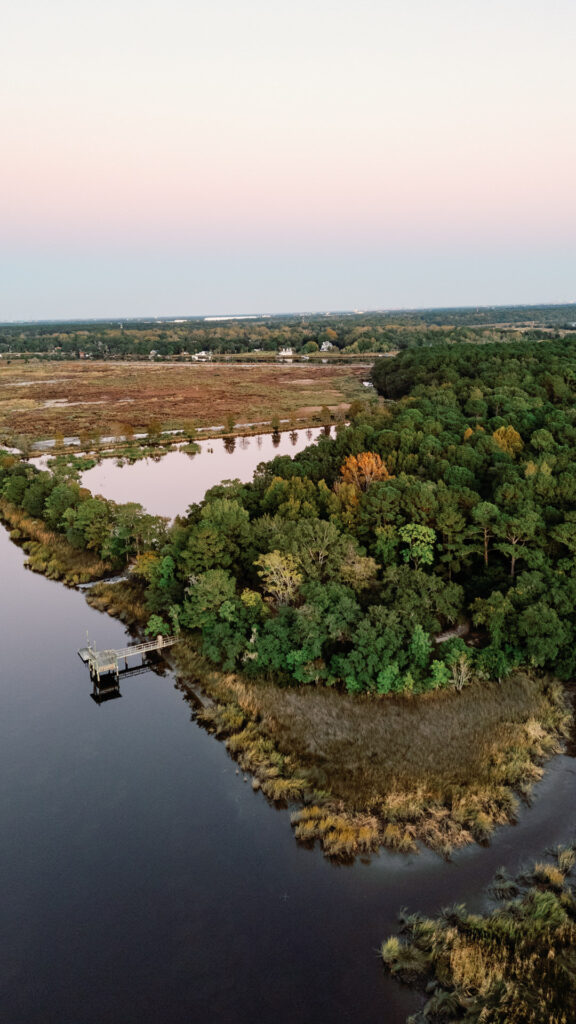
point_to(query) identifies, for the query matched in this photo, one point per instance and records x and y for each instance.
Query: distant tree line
(345, 333)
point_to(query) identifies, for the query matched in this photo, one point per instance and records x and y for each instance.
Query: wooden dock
(104, 663)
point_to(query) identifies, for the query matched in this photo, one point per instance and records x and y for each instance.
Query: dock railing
(103, 662)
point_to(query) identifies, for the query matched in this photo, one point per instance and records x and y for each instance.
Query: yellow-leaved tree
(508, 440)
(364, 469)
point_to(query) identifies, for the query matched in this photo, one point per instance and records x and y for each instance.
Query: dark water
(166, 486)
(144, 881)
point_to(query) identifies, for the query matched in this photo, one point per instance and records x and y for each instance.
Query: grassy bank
(444, 769)
(48, 552)
(516, 965)
(122, 450)
(124, 601)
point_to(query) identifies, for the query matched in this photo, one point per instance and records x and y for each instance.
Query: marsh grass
(444, 769)
(503, 886)
(123, 600)
(566, 858)
(342, 836)
(48, 553)
(515, 965)
(86, 395)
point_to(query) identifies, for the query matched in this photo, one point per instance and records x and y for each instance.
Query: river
(144, 881)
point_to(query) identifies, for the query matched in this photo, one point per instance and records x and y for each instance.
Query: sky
(185, 157)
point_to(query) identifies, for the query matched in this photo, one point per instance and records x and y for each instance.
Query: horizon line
(183, 318)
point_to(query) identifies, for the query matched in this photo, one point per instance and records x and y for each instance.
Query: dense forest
(335, 333)
(449, 501)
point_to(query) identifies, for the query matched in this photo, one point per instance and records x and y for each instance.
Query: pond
(167, 485)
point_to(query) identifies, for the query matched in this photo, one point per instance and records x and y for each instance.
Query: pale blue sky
(180, 157)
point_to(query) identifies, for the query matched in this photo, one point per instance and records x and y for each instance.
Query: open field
(45, 400)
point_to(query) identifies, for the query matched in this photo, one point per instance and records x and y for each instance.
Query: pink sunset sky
(176, 157)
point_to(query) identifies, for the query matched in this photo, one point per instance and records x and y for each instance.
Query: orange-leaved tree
(364, 469)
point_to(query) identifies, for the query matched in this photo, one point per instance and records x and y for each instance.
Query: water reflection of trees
(276, 438)
(230, 444)
(309, 434)
(294, 436)
(244, 442)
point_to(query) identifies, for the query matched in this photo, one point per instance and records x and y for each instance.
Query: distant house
(326, 346)
(285, 352)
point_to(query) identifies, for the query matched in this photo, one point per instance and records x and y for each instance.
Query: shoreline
(252, 718)
(49, 554)
(510, 962)
(144, 449)
(526, 721)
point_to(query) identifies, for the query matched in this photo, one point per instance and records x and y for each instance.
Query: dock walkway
(104, 662)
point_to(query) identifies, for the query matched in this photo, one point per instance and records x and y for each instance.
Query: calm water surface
(167, 486)
(144, 881)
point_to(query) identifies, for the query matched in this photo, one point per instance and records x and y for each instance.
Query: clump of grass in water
(549, 875)
(515, 965)
(399, 838)
(566, 857)
(342, 836)
(282, 790)
(504, 887)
